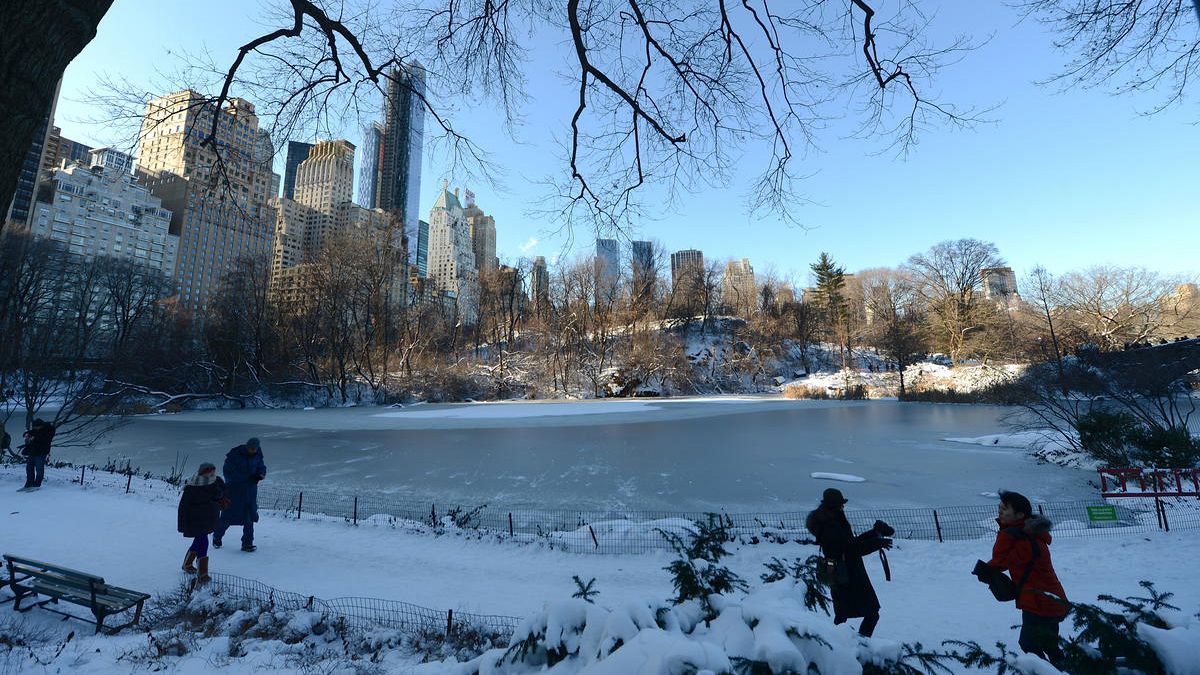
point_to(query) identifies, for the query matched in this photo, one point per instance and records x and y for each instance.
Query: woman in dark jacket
(199, 511)
(856, 596)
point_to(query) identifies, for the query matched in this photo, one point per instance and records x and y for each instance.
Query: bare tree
(949, 278)
(1134, 46)
(896, 317)
(1115, 306)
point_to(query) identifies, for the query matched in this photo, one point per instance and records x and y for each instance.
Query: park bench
(30, 577)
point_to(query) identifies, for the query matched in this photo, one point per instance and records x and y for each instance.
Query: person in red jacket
(1024, 539)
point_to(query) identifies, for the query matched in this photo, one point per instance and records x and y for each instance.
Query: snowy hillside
(130, 539)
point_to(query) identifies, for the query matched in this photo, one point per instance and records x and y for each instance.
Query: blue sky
(1065, 179)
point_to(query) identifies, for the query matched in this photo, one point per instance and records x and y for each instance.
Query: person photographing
(850, 586)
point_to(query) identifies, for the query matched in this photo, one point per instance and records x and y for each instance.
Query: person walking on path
(244, 468)
(853, 594)
(36, 450)
(1022, 549)
(199, 512)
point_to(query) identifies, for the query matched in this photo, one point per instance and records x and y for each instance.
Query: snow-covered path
(131, 541)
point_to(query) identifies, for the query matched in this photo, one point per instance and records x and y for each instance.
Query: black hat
(1017, 501)
(832, 497)
(252, 443)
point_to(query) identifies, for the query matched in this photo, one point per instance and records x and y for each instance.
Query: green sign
(1102, 514)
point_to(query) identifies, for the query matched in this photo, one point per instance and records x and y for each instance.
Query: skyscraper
(539, 286)
(399, 189)
(644, 275)
(687, 279)
(324, 181)
(739, 291)
(369, 162)
(18, 211)
(297, 152)
(423, 249)
(483, 235)
(451, 255)
(682, 262)
(218, 215)
(607, 269)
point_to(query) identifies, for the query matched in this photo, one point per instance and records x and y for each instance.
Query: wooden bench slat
(35, 565)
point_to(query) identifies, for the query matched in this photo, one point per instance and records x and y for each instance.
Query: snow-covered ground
(921, 376)
(130, 539)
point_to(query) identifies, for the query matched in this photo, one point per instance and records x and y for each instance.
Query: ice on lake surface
(737, 453)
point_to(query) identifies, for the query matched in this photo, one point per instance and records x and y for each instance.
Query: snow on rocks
(841, 477)
(1047, 444)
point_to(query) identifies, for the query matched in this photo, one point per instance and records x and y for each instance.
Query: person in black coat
(854, 596)
(199, 512)
(36, 449)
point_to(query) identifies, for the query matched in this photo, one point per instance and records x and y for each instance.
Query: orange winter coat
(1012, 553)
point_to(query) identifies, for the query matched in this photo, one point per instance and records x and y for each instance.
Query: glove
(887, 544)
(257, 477)
(883, 529)
(223, 503)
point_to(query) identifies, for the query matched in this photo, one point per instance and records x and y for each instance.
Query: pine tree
(831, 295)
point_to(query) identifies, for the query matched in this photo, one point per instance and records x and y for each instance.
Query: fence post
(355, 509)
(1040, 511)
(937, 524)
(433, 515)
(128, 481)
(300, 505)
(510, 527)
(82, 469)
(449, 623)
(594, 539)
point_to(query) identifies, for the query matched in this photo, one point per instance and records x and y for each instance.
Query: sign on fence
(1102, 514)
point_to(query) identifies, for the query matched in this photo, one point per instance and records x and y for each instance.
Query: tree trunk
(38, 38)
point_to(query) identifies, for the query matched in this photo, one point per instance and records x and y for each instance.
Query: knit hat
(1017, 501)
(207, 466)
(833, 497)
(253, 443)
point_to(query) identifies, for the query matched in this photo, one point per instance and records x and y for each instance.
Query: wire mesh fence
(638, 531)
(365, 613)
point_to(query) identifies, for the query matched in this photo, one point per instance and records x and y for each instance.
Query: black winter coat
(38, 440)
(832, 530)
(200, 508)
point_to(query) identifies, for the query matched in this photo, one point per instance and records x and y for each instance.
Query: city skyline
(1088, 202)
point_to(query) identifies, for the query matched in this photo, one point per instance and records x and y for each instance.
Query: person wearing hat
(244, 468)
(853, 594)
(199, 511)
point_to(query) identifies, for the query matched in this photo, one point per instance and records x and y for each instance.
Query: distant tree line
(86, 336)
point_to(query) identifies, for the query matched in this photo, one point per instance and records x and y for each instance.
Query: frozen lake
(739, 453)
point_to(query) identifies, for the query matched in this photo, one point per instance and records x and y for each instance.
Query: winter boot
(249, 548)
(202, 571)
(187, 562)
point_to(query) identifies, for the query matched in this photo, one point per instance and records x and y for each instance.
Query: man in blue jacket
(244, 468)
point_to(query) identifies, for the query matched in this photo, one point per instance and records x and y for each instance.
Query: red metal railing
(1134, 482)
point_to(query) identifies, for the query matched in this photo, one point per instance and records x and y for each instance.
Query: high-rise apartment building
(111, 159)
(483, 235)
(607, 268)
(999, 283)
(102, 211)
(218, 202)
(370, 159)
(739, 291)
(399, 189)
(685, 261)
(423, 249)
(22, 203)
(644, 275)
(324, 181)
(296, 152)
(452, 255)
(539, 286)
(61, 151)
